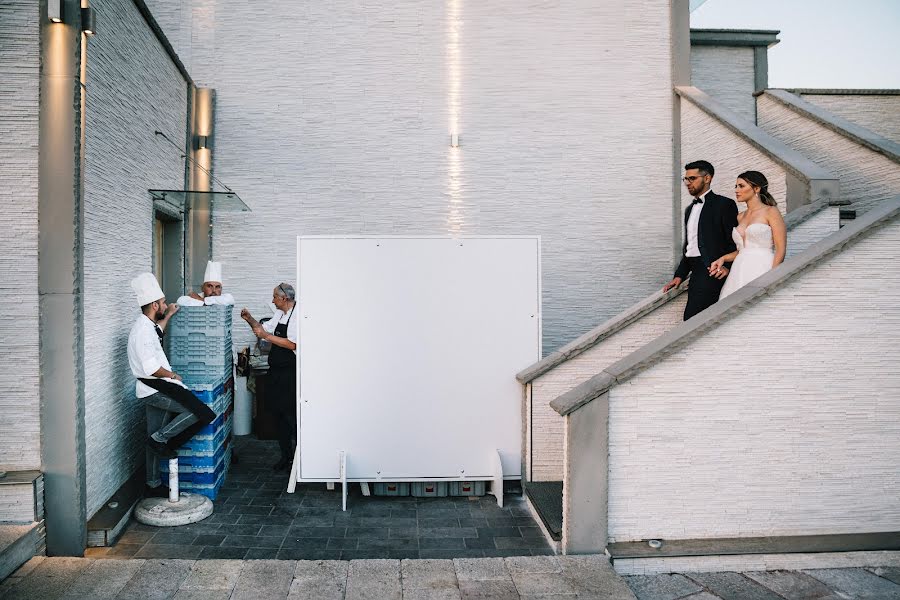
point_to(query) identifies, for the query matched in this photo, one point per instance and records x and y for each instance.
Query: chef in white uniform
(174, 413)
(211, 290)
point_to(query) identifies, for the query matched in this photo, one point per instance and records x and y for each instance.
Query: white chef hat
(146, 288)
(213, 272)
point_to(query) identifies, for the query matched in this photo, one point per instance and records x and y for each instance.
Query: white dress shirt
(224, 299)
(145, 355)
(293, 332)
(693, 224)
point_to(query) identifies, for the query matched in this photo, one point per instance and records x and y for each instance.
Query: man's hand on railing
(676, 281)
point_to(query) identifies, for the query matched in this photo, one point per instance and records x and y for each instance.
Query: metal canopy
(182, 201)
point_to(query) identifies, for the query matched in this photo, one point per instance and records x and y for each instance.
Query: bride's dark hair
(758, 180)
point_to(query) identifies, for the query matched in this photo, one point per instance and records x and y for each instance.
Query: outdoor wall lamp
(54, 11)
(201, 142)
(454, 140)
(88, 22)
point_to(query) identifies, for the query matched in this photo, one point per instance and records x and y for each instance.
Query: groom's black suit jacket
(717, 219)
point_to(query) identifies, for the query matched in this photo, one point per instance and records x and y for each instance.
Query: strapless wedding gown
(754, 257)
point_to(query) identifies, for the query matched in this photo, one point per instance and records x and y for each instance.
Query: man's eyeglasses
(692, 178)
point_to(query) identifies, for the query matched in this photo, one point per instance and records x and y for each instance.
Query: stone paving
(255, 518)
(873, 583)
(531, 578)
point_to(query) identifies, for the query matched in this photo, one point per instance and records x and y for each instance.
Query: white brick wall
(878, 113)
(726, 74)
(783, 420)
(133, 89)
(866, 176)
(19, 379)
(335, 118)
(704, 137)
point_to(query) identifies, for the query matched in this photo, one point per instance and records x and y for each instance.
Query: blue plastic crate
(214, 438)
(203, 368)
(208, 382)
(196, 345)
(208, 490)
(198, 464)
(214, 319)
(208, 393)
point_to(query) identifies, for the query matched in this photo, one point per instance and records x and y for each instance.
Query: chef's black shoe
(161, 449)
(159, 491)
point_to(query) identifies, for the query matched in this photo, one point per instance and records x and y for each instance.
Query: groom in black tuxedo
(708, 222)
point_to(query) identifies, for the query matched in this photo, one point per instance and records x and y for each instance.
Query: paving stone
(489, 569)
(661, 587)
(202, 595)
(156, 580)
(701, 596)
(593, 577)
(495, 590)
(319, 580)
(374, 580)
(50, 579)
(447, 532)
(528, 564)
(102, 579)
(213, 575)
(264, 580)
(732, 586)
(892, 573)
(253, 541)
(435, 576)
(223, 552)
(793, 585)
(261, 554)
(543, 584)
(857, 583)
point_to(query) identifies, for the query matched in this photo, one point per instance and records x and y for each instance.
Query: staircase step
(21, 497)
(105, 527)
(18, 543)
(546, 498)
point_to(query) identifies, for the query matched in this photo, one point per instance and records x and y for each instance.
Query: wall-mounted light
(454, 140)
(88, 23)
(201, 142)
(54, 11)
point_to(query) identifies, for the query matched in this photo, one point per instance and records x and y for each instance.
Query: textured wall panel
(878, 113)
(783, 420)
(704, 137)
(19, 88)
(336, 119)
(548, 427)
(866, 176)
(133, 89)
(727, 74)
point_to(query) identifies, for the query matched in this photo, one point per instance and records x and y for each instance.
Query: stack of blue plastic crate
(199, 349)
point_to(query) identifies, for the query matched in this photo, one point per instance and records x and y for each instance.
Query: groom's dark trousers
(717, 219)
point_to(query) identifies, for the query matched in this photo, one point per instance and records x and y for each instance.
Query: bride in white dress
(761, 235)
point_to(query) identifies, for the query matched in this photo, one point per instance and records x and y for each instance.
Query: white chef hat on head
(213, 272)
(146, 288)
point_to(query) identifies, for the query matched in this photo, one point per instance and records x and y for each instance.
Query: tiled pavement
(255, 518)
(874, 583)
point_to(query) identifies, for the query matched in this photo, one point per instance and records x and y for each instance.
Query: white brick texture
(132, 90)
(783, 420)
(866, 176)
(727, 74)
(705, 137)
(335, 118)
(877, 113)
(19, 381)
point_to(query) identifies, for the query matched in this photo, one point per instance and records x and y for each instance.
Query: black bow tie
(697, 201)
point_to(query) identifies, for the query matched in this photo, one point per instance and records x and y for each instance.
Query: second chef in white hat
(210, 291)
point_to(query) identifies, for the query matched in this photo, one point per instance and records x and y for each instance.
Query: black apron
(282, 384)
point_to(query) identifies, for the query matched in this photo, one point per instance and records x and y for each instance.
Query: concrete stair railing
(637, 326)
(867, 164)
(772, 415)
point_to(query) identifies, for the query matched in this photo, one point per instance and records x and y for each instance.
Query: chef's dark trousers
(173, 417)
(281, 387)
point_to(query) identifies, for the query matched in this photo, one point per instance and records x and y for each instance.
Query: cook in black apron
(281, 388)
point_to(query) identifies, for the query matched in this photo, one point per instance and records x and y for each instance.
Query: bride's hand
(716, 266)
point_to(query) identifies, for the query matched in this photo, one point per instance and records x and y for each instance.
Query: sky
(845, 44)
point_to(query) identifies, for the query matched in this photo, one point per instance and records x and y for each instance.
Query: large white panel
(408, 352)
